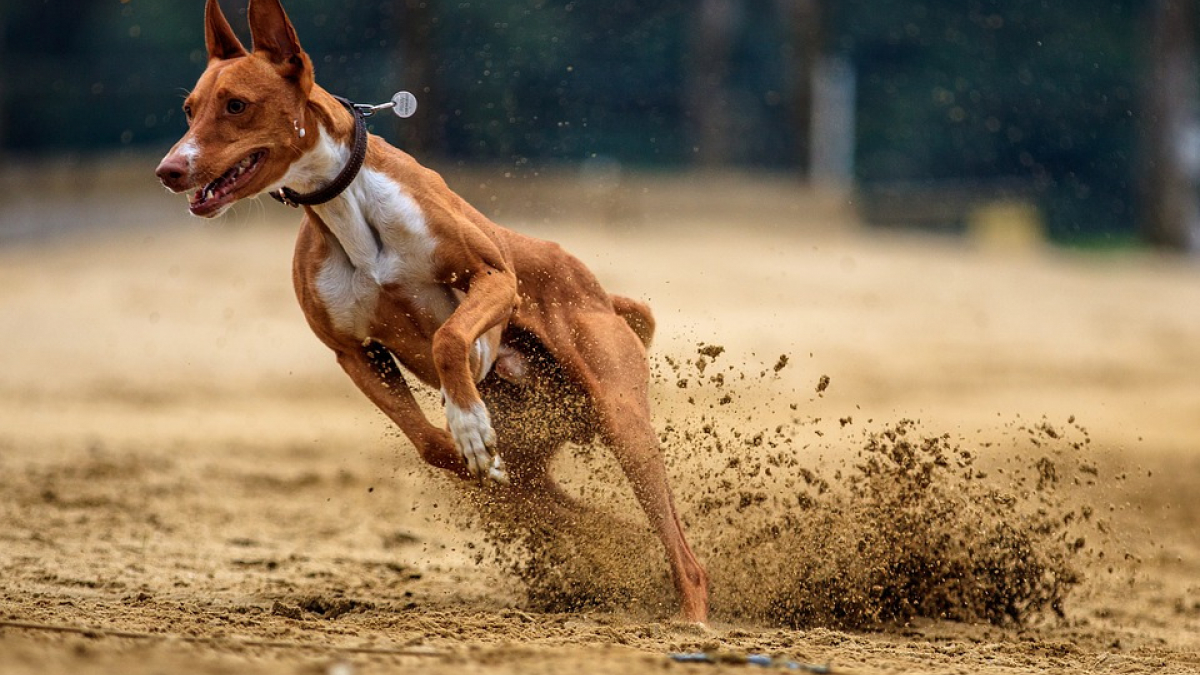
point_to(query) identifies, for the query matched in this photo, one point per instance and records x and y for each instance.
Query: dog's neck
(318, 166)
(330, 139)
(374, 214)
(327, 129)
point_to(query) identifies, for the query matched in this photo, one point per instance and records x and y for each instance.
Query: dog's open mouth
(211, 198)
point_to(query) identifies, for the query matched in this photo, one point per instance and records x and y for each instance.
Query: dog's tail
(637, 315)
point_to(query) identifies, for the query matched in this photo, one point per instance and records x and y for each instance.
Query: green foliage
(1042, 92)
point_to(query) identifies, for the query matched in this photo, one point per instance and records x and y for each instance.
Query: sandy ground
(189, 484)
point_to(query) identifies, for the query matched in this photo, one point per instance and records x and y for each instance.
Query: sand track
(184, 471)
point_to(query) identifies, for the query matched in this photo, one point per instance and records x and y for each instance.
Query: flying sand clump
(909, 526)
(909, 530)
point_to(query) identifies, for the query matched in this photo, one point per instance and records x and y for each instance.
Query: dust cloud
(810, 522)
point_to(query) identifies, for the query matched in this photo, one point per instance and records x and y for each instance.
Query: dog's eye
(187, 112)
(235, 106)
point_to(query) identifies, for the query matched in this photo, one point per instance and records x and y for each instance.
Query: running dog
(393, 269)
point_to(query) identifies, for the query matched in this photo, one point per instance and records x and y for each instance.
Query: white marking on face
(190, 152)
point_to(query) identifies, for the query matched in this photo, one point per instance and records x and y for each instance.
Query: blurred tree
(3, 84)
(1041, 94)
(415, 51)
(714, 25)
(1172, 130)
(803, 48)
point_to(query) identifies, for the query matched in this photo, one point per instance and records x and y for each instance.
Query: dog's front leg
(490, 300)
(375, 372)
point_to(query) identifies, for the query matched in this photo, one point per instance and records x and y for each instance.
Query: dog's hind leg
(610, 362)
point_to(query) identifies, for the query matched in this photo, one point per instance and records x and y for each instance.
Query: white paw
(474, 438)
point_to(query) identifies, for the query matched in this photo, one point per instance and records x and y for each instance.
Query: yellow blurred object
(1008, 225)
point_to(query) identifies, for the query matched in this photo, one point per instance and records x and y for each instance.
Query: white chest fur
(380, 237)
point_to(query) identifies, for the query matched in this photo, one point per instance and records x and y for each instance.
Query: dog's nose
(173, 172)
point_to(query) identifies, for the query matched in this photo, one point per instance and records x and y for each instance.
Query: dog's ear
(274, 38)
(220, 39)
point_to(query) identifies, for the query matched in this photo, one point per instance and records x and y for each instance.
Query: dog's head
(248, 114)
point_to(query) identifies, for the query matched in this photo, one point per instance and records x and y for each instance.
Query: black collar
(286, 195)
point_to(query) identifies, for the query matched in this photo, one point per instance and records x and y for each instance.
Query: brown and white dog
(391, 267)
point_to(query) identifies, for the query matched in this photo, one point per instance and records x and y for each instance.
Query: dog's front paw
(471, 428)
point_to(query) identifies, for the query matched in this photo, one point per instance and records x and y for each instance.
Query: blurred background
(979, 214)
(1076, 121)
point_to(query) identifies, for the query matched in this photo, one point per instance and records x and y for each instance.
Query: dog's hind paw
(474, 437)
